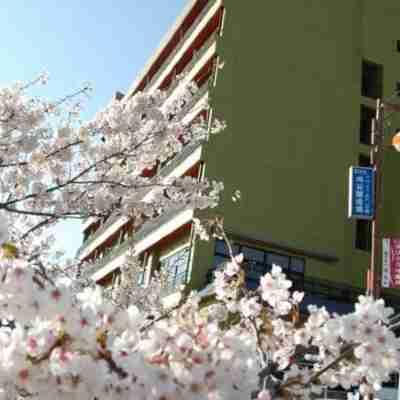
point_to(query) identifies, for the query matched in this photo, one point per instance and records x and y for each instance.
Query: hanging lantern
(396, 141)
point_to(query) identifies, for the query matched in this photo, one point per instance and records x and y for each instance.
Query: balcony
(113, 253)
(175, 167)
(202, 91)
(168, 63)
(168, 168)
(207, 46)
(147, 235)
(97, 233)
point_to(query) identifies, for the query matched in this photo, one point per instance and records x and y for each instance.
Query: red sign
(391, 263)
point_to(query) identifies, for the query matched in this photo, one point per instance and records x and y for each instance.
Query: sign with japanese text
(391, 263)
(361, 193)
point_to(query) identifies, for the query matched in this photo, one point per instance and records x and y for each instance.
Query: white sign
(391, 263)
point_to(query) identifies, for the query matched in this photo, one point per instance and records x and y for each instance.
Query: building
(298, 91)
(190, 49)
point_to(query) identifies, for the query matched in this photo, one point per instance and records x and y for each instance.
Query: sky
(106, 43)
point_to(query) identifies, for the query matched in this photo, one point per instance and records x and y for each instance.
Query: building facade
(298, 90)
(189, 50)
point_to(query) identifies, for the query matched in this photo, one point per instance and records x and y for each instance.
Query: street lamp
(396, 141)
(377, 136)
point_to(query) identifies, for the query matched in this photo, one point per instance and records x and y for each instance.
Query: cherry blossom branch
(346, 352)
(39, 225)
(84, 90)
(262, 354)
(70, 215)
(60, 341)
(74, 179)
(166, 314)
(107, 357)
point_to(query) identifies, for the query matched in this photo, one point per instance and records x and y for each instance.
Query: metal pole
(373, 281)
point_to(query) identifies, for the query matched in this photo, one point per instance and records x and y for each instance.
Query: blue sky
(104, 42)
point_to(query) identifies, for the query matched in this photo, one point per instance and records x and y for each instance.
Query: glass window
(367, 115)
(180, 280)
(252, 283)
(181, 267)
(175, 266)
(219, 260)
(363, 234)
(258, 262)
(140, 279)
(277, 259)
(297, 264)
(255, 274)
(222, 248)
(364, 160)
(297, 281)
(372, 80)
(251, 254)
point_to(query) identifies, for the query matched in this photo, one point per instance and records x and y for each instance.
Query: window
(258, 262)
(364, 160)
(252, 255)
(221, 248)
(398, 45)
(277, 259)
(367, 115)
(176, 267)
(363, 234)
(372, 80)
(140, 277)
(141, 273)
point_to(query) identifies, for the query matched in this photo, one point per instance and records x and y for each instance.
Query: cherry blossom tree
(53, 166)
(59, 344)
(247, 344)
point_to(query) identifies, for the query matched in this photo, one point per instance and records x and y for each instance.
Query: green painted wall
(290, 92)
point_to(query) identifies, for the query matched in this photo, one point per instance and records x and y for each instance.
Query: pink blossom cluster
(53, 166)
(65, 347)
(323, 350)
(70, 347)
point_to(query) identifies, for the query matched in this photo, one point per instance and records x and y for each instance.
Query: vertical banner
(391, 263)
(361, 193)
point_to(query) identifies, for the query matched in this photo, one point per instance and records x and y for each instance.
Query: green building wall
(290, 92)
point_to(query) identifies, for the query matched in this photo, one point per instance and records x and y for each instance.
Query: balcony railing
(123, 246)
(168, 61)
(113, 253)
(196, 97)
(197, 56)
(100, 230)
(174, 162)
(164, 171)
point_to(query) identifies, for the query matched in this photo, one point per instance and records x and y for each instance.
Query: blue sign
(361, 193)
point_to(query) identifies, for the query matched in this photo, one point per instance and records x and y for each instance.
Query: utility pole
(377, 133)
(376, 154)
